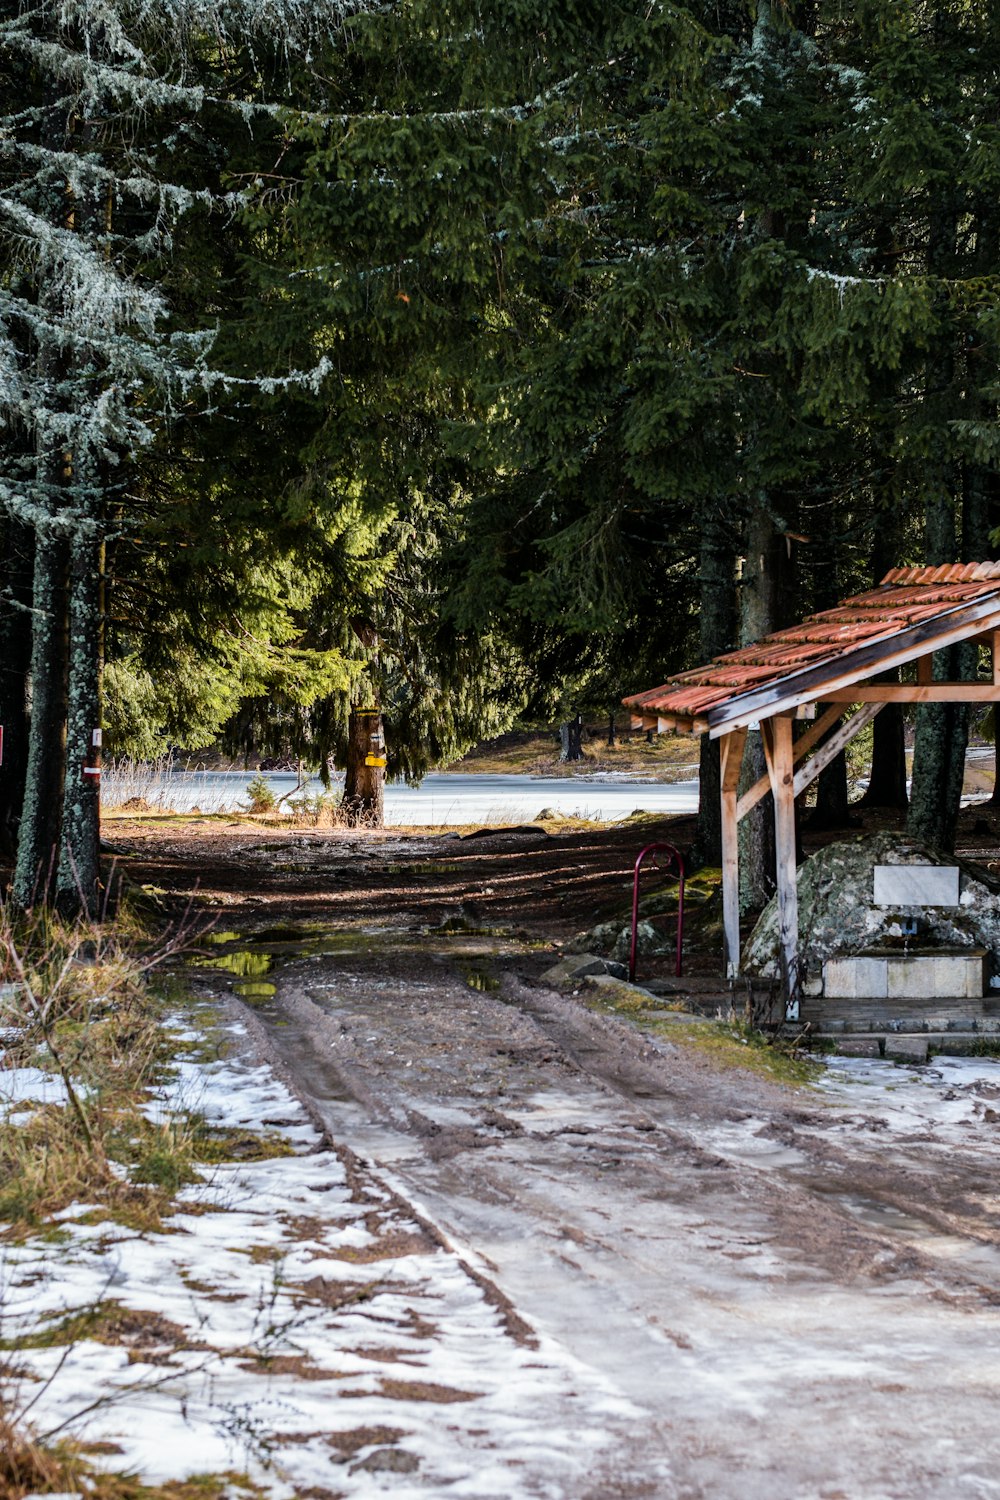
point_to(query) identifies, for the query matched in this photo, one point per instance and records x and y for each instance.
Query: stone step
(935, 1021)
(907, 1047)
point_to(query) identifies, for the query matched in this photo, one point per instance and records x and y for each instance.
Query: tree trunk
(717, 628)
(15, 674)
(38, 839)
(938, 765)
(78, 883)
(980, 504)
(887, 783)
(758, 617)
(941, 728)
(40, 830)
(832, 808)
(942, 731)
(571, 739)
(757, 852)
(363, 804)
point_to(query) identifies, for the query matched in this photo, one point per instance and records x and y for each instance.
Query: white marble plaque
(916, 885)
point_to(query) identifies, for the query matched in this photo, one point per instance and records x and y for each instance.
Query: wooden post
(731, 758)
(781, 768)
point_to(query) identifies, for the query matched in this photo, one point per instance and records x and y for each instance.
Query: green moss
(978, 1046)
(164, 1167)
(241, 961)
(256, 991)
(731, 1045)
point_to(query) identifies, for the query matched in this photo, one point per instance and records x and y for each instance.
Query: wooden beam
(925, 668)
(812, 736)
(803, 745)
(817, 683)
(915, 692)
(780, 755)
(838, 740)
(667, 724)
(731, 759)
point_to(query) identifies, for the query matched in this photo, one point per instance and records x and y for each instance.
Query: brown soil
(542, 887)
(553, 883)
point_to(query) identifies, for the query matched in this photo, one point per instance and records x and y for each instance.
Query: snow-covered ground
(298, 1321)
(292, 1321)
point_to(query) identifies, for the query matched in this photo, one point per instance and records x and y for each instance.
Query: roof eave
(808, 684)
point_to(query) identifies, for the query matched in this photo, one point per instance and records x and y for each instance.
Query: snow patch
(283, 1307)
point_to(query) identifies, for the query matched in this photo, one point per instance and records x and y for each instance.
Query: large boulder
(836, 914)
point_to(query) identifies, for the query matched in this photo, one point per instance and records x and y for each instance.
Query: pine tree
(102, 105)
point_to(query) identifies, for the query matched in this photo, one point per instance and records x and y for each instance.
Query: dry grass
(30, 1467)
(26, 1466)
(76, 1004)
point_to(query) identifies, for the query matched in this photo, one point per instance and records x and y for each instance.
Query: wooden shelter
(817, 671)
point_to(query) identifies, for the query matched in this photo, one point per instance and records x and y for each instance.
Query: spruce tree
(102, 104)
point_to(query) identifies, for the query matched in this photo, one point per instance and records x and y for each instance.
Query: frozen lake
(440, 799)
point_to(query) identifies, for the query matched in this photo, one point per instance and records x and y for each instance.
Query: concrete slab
(855, 977)
(936, 976)
(911, 1049)
(948, 1044)
(929, 976)
(859, 1046)
(960, 1044)
(916, 885)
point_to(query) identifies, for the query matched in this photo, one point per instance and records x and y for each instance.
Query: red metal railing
(675, 859)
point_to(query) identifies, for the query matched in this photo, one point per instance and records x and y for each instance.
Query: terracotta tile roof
(822, 646)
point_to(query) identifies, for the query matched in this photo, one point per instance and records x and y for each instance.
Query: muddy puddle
(482, 980)
(887, 1218)
(250, 959)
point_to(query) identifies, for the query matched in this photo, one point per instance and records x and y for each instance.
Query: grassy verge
(538, 755)
(732, 1044)
(76, 1009)
(727, 1043)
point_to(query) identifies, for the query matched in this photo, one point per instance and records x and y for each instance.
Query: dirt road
(795, 1290)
